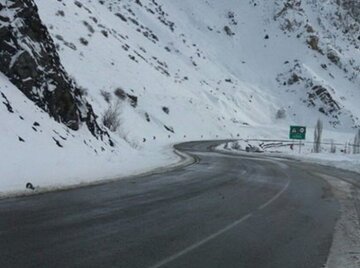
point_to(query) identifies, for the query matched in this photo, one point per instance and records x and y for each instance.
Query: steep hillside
(36, 149)
(175, 70)
(29, 58)
(215, 64)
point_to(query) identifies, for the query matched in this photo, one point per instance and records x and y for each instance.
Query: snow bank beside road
(67, 172)
(347, 234)
(339, 159)
(39, 150)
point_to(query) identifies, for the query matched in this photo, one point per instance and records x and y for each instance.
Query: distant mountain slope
(215, 64)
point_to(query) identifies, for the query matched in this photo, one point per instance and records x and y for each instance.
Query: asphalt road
(223, 211)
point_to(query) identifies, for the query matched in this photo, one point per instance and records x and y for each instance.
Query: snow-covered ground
(36, 149)
(183, 70)
(347, 230)
(341, 158)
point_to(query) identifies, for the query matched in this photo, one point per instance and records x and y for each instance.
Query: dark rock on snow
(28, 57)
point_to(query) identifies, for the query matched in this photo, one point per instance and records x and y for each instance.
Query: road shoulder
(177, 160)
(345, 249)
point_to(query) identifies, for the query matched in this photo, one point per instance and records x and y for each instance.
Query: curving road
(223, 211)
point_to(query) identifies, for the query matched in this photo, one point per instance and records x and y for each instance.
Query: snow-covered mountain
(215, 63)
(175, 70)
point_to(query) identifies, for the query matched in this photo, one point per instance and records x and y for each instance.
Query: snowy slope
(199, 99)
(177, 54)
(185, 70)
(36, 149)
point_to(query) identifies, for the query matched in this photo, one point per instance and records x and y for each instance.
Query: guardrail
(345, 147)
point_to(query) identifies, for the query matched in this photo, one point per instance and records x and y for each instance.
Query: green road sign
(297, 132)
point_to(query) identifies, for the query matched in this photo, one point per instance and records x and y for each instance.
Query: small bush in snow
(121, 16)
(111, 117)
(133, 100)
(78, 4)
(166, 110)
(281, 114)
(235, 146)
(82, 91)
(106, 95)
(84, 41)
(120, 93)
(228, 31)
(294, 79)
(89, 27)
(105, 33)
(60, 13)
(231, 15)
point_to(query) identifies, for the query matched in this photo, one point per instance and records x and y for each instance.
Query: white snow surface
(176, 56)
(39, 160)
(342, 158)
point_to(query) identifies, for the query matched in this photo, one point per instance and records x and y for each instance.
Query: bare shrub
(235, 146)
(105, 33)
(166, 109)
(133, 100)
(84, 41)
(60, 13)
(79, 5)
(280, 114)
(228, 31)
(111, 117)
(89, 27)
(106, 95)
(120, 93)
(231, 15)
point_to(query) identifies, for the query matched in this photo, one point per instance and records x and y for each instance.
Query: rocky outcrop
(29, 59)
(353, 6)
(329, 105)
